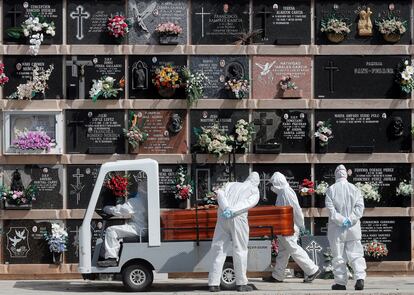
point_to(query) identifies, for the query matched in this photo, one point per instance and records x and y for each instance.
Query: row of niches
(219, 133)
(26, 187)
(24, 241)
(280, 22)
(198, 77)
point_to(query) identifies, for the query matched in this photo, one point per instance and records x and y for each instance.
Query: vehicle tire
(228, 277)
(137, 277)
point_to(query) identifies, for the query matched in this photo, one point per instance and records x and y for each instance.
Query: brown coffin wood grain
(181, 224)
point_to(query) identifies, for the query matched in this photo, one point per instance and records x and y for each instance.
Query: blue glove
(347, 223)
(227, 213)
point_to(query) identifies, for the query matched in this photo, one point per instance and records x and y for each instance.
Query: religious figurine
(175, 124)
(16, 182)
(364, 23)
(139, 76)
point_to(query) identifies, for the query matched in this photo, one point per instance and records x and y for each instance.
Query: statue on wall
(364, 23)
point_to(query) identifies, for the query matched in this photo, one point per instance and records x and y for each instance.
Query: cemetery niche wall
(279, 95)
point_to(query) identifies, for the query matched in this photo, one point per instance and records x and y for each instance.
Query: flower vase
(371, 204)
(392, 38)
(405, 95)
(182, 204)
(292, 93)
(57, 257)
(320, 201)
(305, 201)
(166, 92)
(406, 202)
(133, 150)
(168, 39)
(335, 37)
(322, 149)
(11, 206)
(39, 96)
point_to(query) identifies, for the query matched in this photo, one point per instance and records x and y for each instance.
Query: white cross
(202, 13)
(80, 13)
(314, 248)
(78, 177)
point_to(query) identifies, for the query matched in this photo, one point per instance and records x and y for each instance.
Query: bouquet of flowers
(169, 29)
(194, 85)
(118, 185)
(34, 28)
(335, 24)
(37, 85)
(307, 188)
(136, 133)
(105, 87)
(240, 88)
(16, 197)
(183, 185)
(369, 191)
(286, 83)
(275, 247)
(321, 188)
(57, 240)
(33, 140)
(243, 133)
(375, 249)
(3, 78)
(404, 189)
(391, 24)
(213, 141)
(118, 26)
(323, 132)
(167, 77)
(405, 77)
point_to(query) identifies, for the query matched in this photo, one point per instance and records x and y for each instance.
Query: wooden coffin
(181, 224)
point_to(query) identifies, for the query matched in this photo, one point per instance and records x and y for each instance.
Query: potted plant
(320, 192)
(106, 87)
(238, 88)
(306, 191)
(166, 80)
(405, 190)
(405, 79)
(335, 27)
(183, 189)
(57, 241)
(118, 27)
(168, 33)
(370, 193)
(28, 141)
(212, 140)
(391, 27)
(18, 197)
(194, 85)
(375, 250)
(289, 88)
(135, 134)
(118, 185)
(323, 134)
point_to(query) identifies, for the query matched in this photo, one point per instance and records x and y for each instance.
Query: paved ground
(375, 285)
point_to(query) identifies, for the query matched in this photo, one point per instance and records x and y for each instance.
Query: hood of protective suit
(341, 173)
(279, 182)
(253, 179)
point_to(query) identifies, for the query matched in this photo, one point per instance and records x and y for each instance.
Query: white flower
(406, 62)
(109, 79)
(410, 70)
(406, 76)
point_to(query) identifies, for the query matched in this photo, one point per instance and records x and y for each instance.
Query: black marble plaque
(87, 20)
(282, 22)
(24, 242)
(15, 12)
(289, 128)
(48, 180)
(82, 70)
(350, 10)
(208, 177)
(19, 69)
(350, 76)
(392, 231)
(386, 176)
(226, 119)
(219, 22)
(358, 131)
(218, 70)
(142, 69)
(294, 173)
(147, 14)
(316, 247)
(95, 132)
(81, 181)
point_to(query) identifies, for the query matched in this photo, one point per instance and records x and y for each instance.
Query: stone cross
(76, 64)
(264, 13)
(80, 14)
(314, 248)
(75, 242)
(261, 135)
(75, 123)
(202, 13)
(332, 69)
(14, 12)
(78, 186)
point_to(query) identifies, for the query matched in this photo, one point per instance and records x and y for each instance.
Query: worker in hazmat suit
(345, 206)
(288, 246)
(136, 207)
(234, 200)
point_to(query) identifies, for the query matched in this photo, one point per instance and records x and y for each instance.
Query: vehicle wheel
(228, 277)
(137, 278)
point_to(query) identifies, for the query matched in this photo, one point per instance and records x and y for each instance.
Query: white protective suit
(288, 246)
(344, 200)
(239, 198)
(136, 226)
